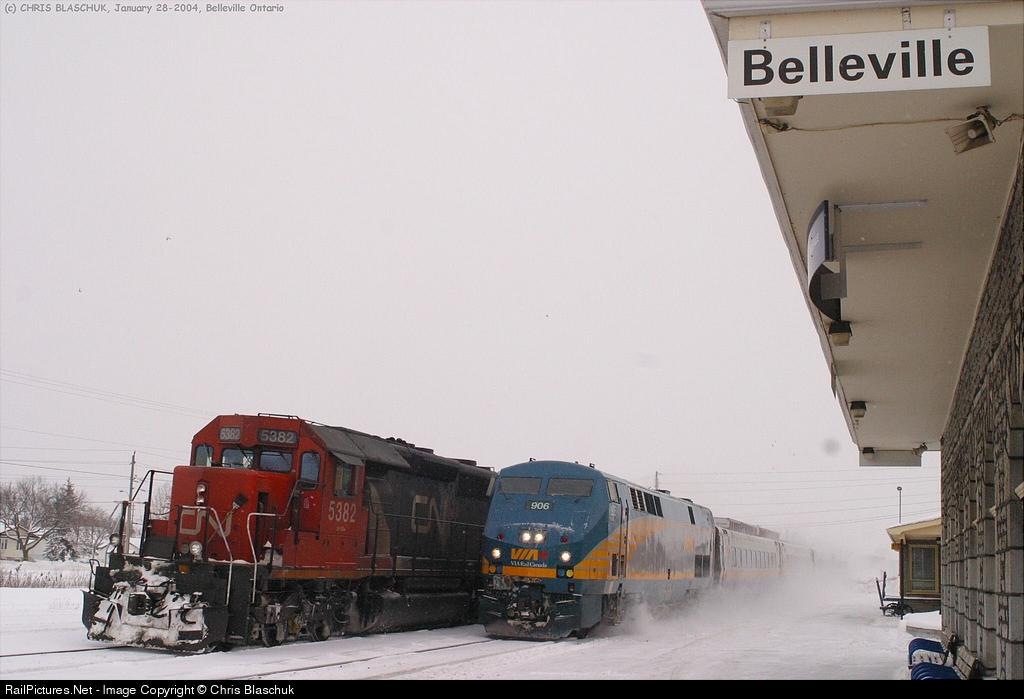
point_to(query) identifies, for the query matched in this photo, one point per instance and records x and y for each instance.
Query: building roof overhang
(914, 275)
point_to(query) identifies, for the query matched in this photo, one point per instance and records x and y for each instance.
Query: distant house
(918, 545)
(10, 547)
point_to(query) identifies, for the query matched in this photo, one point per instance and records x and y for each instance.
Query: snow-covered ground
(827, 628)
(44, 574)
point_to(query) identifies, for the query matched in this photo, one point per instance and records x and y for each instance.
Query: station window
(203, 455)
(309, 469)
(923, 568)
(344, 480)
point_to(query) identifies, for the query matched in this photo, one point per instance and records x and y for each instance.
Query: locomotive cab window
(519, 485)
(203, 455)
(575, 487)
(344, 480)
(309, 469)
(613, 492)
(276, 461)
(237, 458)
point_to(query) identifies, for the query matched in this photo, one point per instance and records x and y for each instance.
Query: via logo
(525, 554)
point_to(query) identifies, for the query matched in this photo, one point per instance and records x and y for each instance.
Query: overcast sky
(502, 230)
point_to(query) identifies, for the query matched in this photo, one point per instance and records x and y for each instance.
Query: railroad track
(369, 658)
(55, 652)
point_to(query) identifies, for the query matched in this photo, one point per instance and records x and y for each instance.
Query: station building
(889, 136)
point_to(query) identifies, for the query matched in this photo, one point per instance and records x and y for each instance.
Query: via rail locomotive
(283, 528)
(568, 546)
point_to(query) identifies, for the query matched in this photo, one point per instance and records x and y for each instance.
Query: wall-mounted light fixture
(858, 409)
(840, 332)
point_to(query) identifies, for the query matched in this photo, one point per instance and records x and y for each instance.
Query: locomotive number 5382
(341, 511)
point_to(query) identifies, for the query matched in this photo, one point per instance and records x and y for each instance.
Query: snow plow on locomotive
(282, 528)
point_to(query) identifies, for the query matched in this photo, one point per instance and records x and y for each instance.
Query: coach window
(309, 470)
(203, 456)
(344, 480)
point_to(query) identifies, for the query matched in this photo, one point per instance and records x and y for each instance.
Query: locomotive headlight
(200, 493)
(538, 537)
(196, 549)
(495, 554)
(565, 556)
(525, 537)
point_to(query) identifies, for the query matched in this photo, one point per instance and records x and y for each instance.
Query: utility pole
(128, 514)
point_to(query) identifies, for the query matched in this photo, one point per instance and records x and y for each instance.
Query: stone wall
(982, 463)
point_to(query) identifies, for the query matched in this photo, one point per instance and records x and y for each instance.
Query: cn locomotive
(282, 528)
(567, 546)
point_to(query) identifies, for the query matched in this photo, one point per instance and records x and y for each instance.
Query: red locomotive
(283, 528)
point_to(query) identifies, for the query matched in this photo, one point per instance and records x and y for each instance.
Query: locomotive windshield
(237, 458)
(276, 461)
(519, 485)
(265, 460)
(577, 487)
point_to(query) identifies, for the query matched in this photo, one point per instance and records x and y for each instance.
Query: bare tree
(91, 532)
(160, 508)
(32, 509)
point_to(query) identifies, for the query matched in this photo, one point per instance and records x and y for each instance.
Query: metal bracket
(905, 16)
(949, 19)
(766, 30)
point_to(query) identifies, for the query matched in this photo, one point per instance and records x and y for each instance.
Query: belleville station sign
(922, 59)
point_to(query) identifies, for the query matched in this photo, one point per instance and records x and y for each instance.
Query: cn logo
(192, 522)
(426, 515)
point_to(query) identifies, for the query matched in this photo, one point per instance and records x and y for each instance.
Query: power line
(770, 477)
(53, 468)
(100, 398)
(7, 446)
(85, 439)
(70, 461)
(859, 469)
(813, 502)
(97, 393)
(836, 510)
(852, 521)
